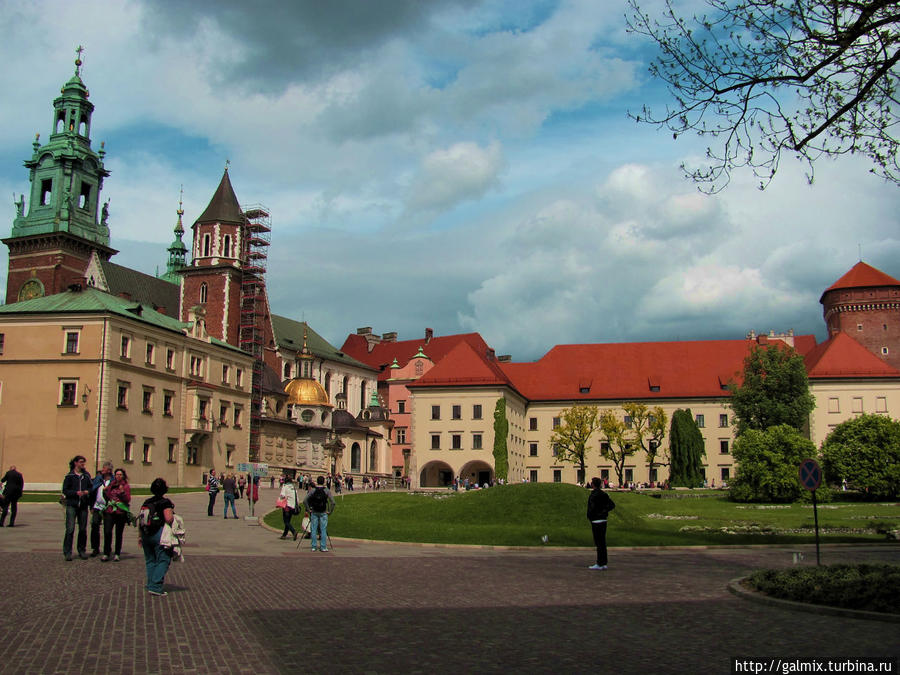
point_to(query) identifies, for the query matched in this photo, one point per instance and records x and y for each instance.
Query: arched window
(328, 386)
(363, 404)
(287, 371)
(206, 245)
(226, 249)
(420, 368)
(204, 291)
(372, 466)
(354, 457)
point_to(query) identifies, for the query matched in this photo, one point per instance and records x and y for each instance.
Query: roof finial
(227, 164)
(859, 246)
(78, 60)
(179, 228)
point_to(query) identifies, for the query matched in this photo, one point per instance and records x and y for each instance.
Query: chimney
(763, 339)
(389, 337)
(125, 294)
(490, 354)
(429, 333)
(504, 358)
(366, 330)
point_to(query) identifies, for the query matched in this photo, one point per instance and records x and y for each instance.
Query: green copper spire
(66, 175)
(177, 249)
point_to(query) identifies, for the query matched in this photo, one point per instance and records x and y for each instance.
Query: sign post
(811, 478)
(255, 469)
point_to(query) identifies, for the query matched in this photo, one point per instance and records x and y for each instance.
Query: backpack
(149, 520)
(318, 500)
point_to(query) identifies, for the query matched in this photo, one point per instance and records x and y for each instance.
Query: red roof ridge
(842, 356)
(862, 275)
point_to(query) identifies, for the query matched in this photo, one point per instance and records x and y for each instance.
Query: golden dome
(304, 391)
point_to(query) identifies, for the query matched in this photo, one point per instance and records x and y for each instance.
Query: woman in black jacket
(599, 506)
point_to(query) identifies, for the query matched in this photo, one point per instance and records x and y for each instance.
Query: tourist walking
(98, 504)
(319, 504)
(229, 488)
(155, 512)
(599, 506)
(212, 487)
(290, 506)
(115, 515)
(13, 486)
(76, 489)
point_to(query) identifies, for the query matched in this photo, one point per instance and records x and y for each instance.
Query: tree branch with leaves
(766, 77)
(648, 429)
(570, 438)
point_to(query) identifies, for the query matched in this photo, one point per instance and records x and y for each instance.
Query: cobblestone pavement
(246, 602)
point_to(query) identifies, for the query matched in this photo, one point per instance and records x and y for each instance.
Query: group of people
(106, 498)
(232, 489)
(319, 504)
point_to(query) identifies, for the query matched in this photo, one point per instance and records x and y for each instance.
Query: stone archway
(436, 474)
(477, 471)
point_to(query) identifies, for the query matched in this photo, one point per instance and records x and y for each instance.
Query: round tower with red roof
(865, 304)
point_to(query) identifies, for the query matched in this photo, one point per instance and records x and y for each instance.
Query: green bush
(870, 587)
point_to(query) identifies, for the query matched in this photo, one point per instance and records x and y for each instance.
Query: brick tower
(865, 304)
(51, 244)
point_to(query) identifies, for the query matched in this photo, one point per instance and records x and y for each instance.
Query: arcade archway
(477, 471)
(436, 474)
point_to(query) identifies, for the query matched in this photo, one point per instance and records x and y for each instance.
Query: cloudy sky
(453, 164)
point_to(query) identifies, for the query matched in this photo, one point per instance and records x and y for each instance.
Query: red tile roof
(384, 353)
(842, 356)
(635, 370)
(463, 366)
(862, 275)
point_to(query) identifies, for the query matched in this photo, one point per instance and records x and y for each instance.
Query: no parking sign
(810, 474)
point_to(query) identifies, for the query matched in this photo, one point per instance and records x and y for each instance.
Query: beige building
(84, 372)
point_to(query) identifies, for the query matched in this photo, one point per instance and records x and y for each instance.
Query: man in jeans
(319, 503)
(76, 488)
(98, 503)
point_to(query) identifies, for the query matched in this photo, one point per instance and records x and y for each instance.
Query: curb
(736, 586)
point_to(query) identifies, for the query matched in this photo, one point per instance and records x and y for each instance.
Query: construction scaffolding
(254, 257)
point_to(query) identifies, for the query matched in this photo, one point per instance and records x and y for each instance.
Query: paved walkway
(246, 602)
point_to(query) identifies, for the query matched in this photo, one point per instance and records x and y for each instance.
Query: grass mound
(871, 587)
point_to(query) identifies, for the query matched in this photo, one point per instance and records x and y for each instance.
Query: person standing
(319, 505)
(155, 512)
(291, 507)
(98, 503)
(229, 487)
(599, 506)
(115, 515)
(13, 486)
(212, 487)
(242, 483)
(76, 489)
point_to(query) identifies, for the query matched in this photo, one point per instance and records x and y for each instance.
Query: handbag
(281, 502)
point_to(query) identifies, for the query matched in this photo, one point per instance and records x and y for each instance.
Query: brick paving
(245, 602)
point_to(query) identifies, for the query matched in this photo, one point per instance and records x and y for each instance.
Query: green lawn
(519, 515)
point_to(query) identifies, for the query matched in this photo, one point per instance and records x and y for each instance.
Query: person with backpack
(319, 504)
(155, 512)
(599, 506)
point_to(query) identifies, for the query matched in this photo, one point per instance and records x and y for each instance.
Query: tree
(618, 446)
(648, 428)
(865, 451)
(686, 450)
(768, 463)
(775, 390)
(571, 437)
(766, 77)
(501, 429)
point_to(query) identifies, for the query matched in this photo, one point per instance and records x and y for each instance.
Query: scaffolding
(254, 257)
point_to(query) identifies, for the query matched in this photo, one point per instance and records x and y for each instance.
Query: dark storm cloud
(283, 42)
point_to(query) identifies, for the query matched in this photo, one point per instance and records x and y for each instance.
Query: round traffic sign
(810, 474)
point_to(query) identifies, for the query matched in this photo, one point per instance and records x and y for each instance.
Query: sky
(452, 164)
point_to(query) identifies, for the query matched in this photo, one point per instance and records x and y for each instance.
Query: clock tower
(52, 239)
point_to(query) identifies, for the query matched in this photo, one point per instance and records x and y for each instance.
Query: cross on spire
(78, 60)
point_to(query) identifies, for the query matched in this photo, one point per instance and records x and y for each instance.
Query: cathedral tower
(52, 240)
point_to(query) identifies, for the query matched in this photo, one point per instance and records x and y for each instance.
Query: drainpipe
(100, 395)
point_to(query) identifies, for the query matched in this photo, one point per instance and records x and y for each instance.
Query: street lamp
(84, 394)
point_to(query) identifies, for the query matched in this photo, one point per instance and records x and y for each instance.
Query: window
(532, 449)
(173, 445)
(67, 389)
(128, 455)
(457, 412)
(725, 474)
(557, 475)
(197, 366)
(857, 404)
(420, 368)
(555, 423)
(476, 441)
(239, 377)
(700, 420)
(476, 411)
(584, 390)
(223, 414)
(723, 420)
(167, 403)
(170, 359)
(834, 405)
(723, 446)
(880, 404)
(148, 448)
(287, 371)
(532, 476)
(456, 441)
(237, 416)
(192, 454)
(884, 351)
(150, 354)
(435, 441)
(2, 341)
(46, 191)
(125, 348)
(628, 422)
(554, 449)
(229, 455)
(226, 248)
(654, 475)
(202, 408)
(604, 446)
(532, 424)
(122, 396)
(401, 407)
(206, 245)
(604, 474)
(71, 342)
(225, 373)
(401, 435)
(147, 401)
(859, 327)
(435, 412)
(629, 475)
